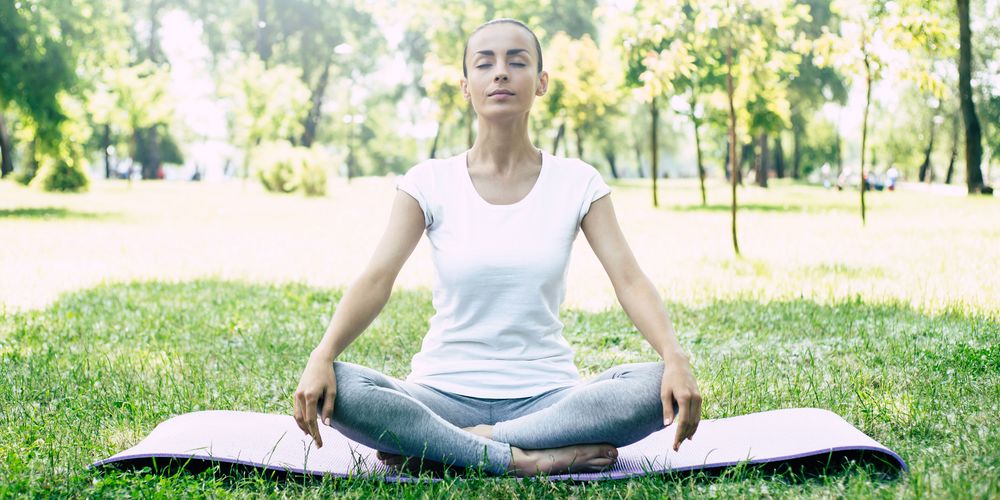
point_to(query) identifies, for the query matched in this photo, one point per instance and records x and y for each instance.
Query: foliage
(61, 174)
(284, 168)
(268, 104)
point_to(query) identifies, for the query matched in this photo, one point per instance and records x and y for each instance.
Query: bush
(25, 175)
(312, 178)
(284, 168)
(61, 174)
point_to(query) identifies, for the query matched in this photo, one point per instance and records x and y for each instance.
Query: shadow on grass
(45, 213)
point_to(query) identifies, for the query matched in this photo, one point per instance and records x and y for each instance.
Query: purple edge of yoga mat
(560, 477)
(612, 475)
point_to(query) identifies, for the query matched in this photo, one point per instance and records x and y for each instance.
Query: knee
(352, 378)
(645, 374)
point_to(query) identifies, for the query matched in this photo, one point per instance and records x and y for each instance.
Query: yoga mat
(274, 442)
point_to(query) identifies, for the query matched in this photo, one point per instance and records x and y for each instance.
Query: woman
(494, 384)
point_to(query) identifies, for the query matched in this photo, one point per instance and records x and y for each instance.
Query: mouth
(500, 92)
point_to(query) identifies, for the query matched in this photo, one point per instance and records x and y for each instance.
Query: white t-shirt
(500, 277)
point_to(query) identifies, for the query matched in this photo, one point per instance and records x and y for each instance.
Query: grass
(48, 213)
(894, 326)
(94, 372)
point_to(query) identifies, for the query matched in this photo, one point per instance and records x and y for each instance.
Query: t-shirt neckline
(482, 201)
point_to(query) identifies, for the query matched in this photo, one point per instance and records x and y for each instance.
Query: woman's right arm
(359, 306)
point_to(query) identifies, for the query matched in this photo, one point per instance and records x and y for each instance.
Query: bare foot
(569, 459)
(483, 430)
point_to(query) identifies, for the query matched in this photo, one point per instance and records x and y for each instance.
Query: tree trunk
(263, 33)
(761, 161)
(733, 160)
(746, 157)
(105, 145)
(153, 52)
(6, 150)
(864, 128)
(973, 133)
(609, 153)
(698, 158)
(726, 170)
(312, 118)
(559, 136)
(925, 167)
(655, 117)
(954, 150)
(148, 141)
(779, 158)
(437, 137)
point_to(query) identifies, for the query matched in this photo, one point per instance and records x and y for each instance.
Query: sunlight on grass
(170, 309)
(97, 370)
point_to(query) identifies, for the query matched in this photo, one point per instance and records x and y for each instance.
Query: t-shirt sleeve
(414, 183)
(596, 189)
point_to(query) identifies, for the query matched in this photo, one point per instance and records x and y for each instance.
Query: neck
(505, 147)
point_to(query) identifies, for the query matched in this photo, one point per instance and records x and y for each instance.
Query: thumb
(327, 412)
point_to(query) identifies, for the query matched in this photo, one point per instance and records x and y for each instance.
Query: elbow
(380, 281)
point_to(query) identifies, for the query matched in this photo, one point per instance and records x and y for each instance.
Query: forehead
(500, 38)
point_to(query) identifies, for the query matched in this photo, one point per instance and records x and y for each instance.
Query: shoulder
(432, 167)
(572, 167)
(576, 172)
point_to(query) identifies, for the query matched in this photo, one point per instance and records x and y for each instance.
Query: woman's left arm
(641, 301)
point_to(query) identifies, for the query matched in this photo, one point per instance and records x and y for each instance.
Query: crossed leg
(571, 430)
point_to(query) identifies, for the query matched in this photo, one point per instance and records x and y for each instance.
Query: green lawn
(894, 326)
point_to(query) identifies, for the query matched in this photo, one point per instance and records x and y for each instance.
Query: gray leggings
(620, 406)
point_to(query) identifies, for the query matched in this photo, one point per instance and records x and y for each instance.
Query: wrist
(673, 357)
(321, 356)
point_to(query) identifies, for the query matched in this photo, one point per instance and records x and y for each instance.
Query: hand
(679, 388)
(317, 386)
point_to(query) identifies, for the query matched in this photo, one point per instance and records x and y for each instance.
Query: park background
(188, 186)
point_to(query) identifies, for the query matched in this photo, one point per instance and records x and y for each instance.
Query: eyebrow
(509, 52)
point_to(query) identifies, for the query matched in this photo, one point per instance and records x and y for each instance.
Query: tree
(699, 71)
(49, 48)
(858, 51)
(973, 132)
(757, 35)
(654, 63)
(268, 104)
(813, 85)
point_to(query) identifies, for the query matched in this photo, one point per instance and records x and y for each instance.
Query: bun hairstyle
(505, 20)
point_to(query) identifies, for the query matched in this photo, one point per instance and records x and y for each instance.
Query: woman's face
(503, 72)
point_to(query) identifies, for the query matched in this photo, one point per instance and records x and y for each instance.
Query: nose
(500, 76)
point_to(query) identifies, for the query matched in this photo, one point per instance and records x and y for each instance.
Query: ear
(543, 83)
(464, 83)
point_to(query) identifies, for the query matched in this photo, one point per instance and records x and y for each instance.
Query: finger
(295, 410)
(300, 404)
(309, 417)
(695, 414)
(668, 408)
(313, 425)
(682, 416)
(327, 413)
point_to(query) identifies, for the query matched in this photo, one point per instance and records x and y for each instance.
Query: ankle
(521, 462)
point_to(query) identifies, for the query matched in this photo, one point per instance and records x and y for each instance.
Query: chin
(502, 113)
